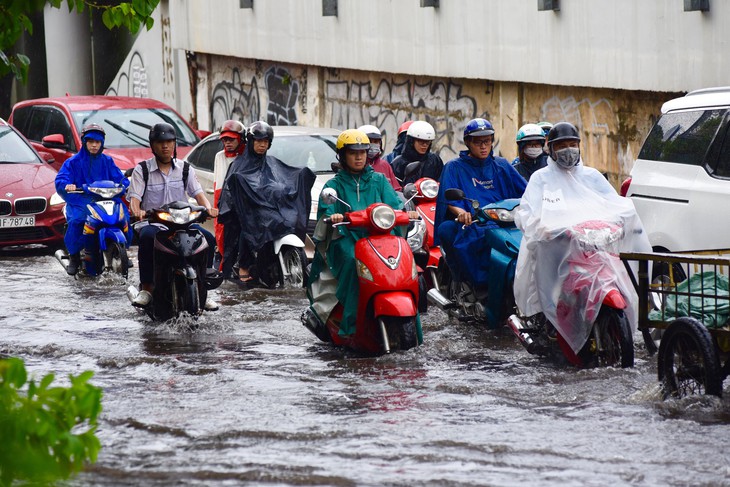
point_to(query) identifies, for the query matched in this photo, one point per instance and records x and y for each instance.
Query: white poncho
(555, 206)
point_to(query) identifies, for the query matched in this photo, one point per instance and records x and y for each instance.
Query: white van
(680, 184)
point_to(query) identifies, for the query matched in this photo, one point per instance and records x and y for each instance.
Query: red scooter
(422, 197)
(591, 305)
(388, 277)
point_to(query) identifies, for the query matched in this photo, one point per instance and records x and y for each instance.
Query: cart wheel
(688, 362)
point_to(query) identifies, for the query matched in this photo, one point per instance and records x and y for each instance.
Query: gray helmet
(260, 131)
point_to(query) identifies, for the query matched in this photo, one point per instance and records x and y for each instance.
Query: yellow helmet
(353, 139)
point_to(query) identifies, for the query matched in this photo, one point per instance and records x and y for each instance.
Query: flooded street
(252, 397)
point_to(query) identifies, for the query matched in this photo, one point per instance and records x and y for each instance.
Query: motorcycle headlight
(56, 200)
(416, 235)
(500, 214)
(383, 217)
(414, 270)
(179, 216)
(106, 193)
(429, 188)
(362, 270)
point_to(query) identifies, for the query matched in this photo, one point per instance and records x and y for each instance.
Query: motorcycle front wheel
(402, 334)
(294, 272)
(116, 259)
(611, 339)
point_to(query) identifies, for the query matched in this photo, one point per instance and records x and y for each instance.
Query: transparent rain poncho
(574, 225)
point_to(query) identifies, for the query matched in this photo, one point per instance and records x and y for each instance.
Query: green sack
(711, 307)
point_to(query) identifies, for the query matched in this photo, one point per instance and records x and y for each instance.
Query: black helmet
(562, 131)
(91, 128)
(260, 131)
(162, 131)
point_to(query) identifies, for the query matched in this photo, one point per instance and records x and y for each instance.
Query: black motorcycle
(182, 278)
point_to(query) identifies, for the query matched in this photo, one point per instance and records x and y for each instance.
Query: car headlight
(56, 199)
(106, 193)
(179, 216)
(500, 214)
(383, 217)
(429, 188)
(362, 270)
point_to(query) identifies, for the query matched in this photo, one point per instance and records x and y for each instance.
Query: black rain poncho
(269, 198)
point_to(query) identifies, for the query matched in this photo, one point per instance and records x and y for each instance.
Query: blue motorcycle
(493, 303)
(105, 231)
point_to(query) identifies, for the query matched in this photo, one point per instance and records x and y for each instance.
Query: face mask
(533, 152)
(567, 157)
(373, 151)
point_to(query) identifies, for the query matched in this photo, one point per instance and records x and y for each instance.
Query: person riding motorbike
(546, 127)
(483, 177)
(375, 151)
(419, 140)
(262, 200)
(530, 143)
(400, 141)
(233, 137)
(160, 180)
(562, 195)
(360, 186)
(87, 166)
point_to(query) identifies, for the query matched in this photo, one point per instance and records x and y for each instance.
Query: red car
(30, 209)
(54, 125)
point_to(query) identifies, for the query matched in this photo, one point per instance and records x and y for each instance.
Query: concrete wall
(613, 122)
(650, 45)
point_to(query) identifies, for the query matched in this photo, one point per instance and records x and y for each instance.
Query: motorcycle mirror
(454, 194)
(409, 191)
(335, 166)
(329, 196)
(411, 168)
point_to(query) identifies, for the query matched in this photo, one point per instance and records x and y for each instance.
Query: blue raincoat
(83, 168)
(487, 181)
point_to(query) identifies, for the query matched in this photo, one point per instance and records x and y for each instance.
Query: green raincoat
(360, 191)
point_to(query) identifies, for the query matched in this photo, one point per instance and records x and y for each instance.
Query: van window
(682, 137)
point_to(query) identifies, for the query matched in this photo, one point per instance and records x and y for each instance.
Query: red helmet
(233, 129)
(404, 126)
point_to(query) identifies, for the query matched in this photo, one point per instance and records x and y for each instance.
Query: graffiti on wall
(389, 104)
(234, 99)
(132, 80)
(598, 121)
(283, 92)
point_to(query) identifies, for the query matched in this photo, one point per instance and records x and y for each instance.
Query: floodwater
(250, 397)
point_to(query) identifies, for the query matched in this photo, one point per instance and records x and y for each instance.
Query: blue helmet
(477, 127)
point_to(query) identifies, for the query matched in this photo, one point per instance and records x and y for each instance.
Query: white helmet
(421, 130)
(371, 131)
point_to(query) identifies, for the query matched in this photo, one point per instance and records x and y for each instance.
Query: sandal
(244, 276)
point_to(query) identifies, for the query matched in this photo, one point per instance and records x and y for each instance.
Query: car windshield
(130, 128)
(14, 150)
(317, 152)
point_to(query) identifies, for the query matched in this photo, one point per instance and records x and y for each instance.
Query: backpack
(146, 174)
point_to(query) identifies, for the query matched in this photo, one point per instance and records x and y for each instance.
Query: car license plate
(17, 221)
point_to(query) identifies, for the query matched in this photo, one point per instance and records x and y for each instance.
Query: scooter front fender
(614, 299)
(112, 234)
(187, 272)
(291, 240)
(394, 303)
